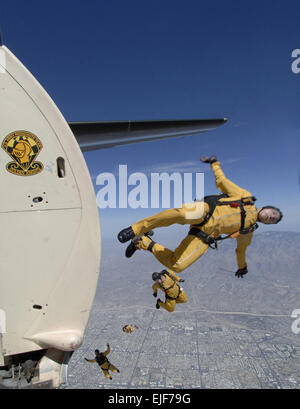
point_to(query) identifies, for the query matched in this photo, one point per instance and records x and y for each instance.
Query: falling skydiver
(167, 281)
(103, 362)
(232, 213)
(129, 329)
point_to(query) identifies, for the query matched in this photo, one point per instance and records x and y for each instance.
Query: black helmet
(97, 351)
(155, 276)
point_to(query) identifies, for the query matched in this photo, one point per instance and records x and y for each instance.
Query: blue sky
(167, 59)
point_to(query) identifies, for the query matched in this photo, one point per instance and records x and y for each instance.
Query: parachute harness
(174, 282)
(213, 201)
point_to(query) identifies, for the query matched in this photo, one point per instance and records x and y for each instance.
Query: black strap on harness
(213, 201)
(206, 238)
(172, 298)
(174, 282)
(213, 241)
(150, 247)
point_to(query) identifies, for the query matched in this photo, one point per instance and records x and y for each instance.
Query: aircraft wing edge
(102, 135)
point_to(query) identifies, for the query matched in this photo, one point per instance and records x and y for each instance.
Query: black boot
(206, 159)
(126, 234)
(157, 304)
(131, 249)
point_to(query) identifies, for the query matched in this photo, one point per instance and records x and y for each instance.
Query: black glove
(241, 272)
(107, 345)
(86, 359)
(154, 295)
(206, 159)
(181, 280)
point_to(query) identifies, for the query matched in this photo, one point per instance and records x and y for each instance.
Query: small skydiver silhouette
(167, 281)
(103, 362)
(129, 329)
(232, 213)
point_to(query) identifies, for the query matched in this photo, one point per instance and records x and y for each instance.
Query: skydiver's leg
(188, 251)
(188, 214)
(106, 373)
(168, 305)
(113, 368)
(182, 298)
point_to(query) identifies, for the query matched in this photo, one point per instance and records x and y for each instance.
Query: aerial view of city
(231, 334)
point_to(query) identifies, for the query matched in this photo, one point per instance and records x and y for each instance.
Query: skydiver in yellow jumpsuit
(230, 219)
(128, 329)
(103, 362)
(167, 281)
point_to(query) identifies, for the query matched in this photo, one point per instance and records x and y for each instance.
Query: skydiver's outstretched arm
(90, 360)
(225, 185)
(107, 351)
(243, 241)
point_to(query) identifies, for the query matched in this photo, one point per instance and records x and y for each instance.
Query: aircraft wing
(101, 135)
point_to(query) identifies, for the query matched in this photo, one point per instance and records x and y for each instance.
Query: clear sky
(170, 59)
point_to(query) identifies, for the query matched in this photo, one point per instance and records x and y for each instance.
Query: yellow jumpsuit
(128, 329)
(171, 289)
(106, 366)
(225, 220)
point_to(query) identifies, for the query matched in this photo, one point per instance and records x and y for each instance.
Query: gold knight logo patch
(23, 147)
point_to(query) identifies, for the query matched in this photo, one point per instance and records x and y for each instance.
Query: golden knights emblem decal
(23, 147)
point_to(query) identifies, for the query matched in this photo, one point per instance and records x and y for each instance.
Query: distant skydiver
(167, 281)
(232, 213)
(129, 329)
(103, 362)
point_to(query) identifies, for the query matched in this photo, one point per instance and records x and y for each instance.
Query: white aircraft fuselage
(50, 241)
(50, 231)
